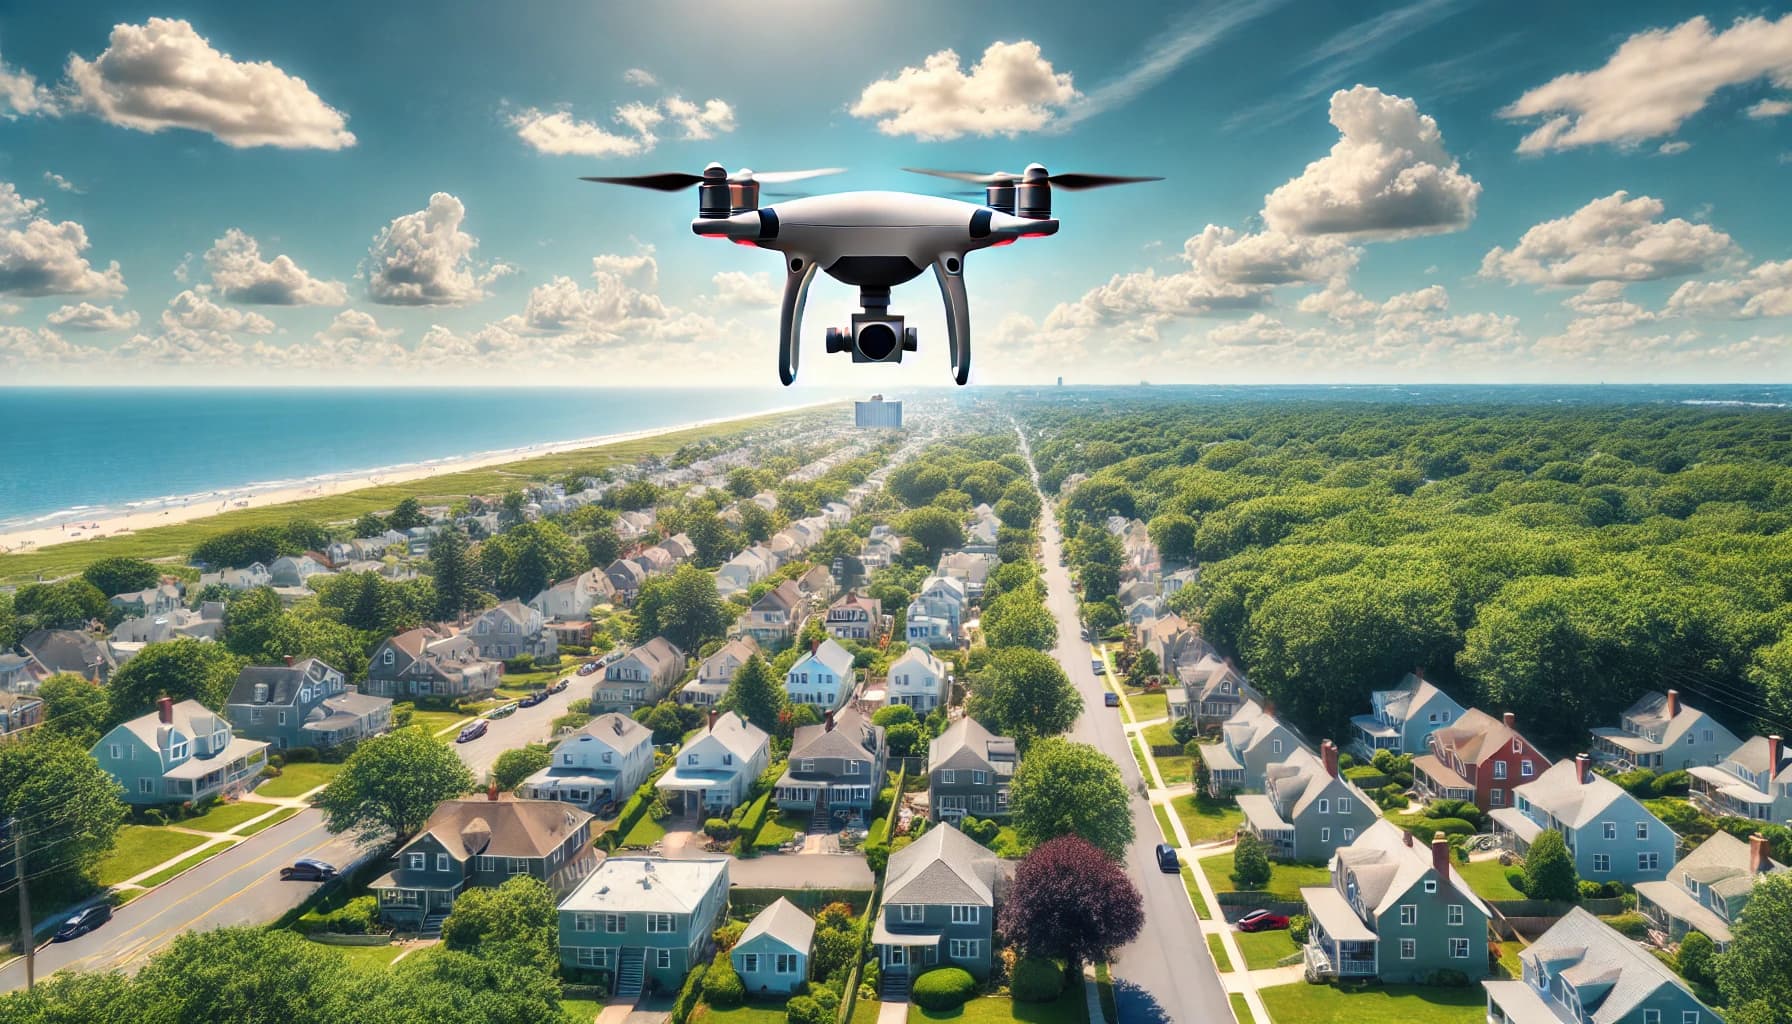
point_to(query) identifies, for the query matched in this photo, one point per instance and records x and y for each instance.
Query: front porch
(1339, 944)
(1438, 781)
(410, 906)
(1261, 818)
(1719, 793)
(689, 791)
(1372, 734)
(590, 791)
(1624, 751)
(1224, 772)
(1516, 832)
(236, 768)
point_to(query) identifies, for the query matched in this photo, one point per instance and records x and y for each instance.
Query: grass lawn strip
(1147, 706)
(1285, 880)
(1488, 879)
(752, 1012)
(1138, 756)
(1218, 948)
(1205, 820)
(171, 870)
(1104, 988)
(1301, 1003)
(1261, 950)
(1194, 892)
(269, 822)
(141, 847)
(581, 1011)
(376, 957)
(298, 779)
(1070, 1008)
(1163, 824)
(224, 817)
(437, 721)
(1241, 1010)
(1175, 768)
(1157, 735)
(780, 829)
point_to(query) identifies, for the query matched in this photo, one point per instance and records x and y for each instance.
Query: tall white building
(878, 413)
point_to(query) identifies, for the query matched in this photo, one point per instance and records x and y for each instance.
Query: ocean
(69, 454)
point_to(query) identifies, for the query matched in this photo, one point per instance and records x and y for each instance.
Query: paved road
(526, 726)
(1166, 974)
(239, 886)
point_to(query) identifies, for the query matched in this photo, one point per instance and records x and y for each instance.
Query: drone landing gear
(949, 270)
(798, 273)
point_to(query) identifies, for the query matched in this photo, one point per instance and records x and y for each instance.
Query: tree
(1096, 555)
(183, 669)
(239, 974)
(756, 523)
(1018, 619)
(1549, 869)
(517, 922)
(682, 606)
(451, 566)
(121, 575)
(74, 707)
(391, 784)
(602, 545)
(513, 766)
(9, 623)
(904, 739)
(934, 529)
(1062, 788)
(1025, 694)
(1697, 959)
(1143, 667)
(249, 619)
(1757, 967)
(755, 695)
(408, 515)
(70, 604)
(663, 719)
(240, 547)
(306, 535)
(371, 603)
(1174, 535)
(297, 636)
(67, 803)
(1250, 862)
(1071, 900)
(524, 559)
(369, 525)
(70, 997)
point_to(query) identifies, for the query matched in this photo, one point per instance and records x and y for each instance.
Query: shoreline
(92, 523)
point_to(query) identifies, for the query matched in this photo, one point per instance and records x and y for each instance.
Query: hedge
(633, 810)
(722, 987)
(1036, 980)
(943, 988)
(687, 995)
(1367, 776)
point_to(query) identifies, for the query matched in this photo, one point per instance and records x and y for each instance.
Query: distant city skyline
(1437, 190)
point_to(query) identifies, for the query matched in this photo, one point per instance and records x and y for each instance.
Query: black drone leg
(950, 272)
(790, 323)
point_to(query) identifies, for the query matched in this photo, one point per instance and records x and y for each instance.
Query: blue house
(772, 956)
(644, 919)
(1402, 719)
(1610, 834)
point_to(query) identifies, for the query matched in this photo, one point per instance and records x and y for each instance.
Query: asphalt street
(527, 725)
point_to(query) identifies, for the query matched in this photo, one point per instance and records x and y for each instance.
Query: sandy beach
(197, 506)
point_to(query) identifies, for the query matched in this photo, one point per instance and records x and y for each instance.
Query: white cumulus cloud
(194, 311)
(88, 317)
(1388, 176)
(1615, 238)
(1653, 83)
(241, 275)
(425, 259)
(43, 257)
(735, 288)
(559, 133)
(22, 96)
(164, 74)
(641, 77)
(1766, 290)
(52, 178)
(1769, 108)
(1012, 89)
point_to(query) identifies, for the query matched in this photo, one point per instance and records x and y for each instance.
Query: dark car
(1167, 860)
(1262, 921)
(473, 732)
(307, 869)
(1111, 699)
(559, 686)
(84, 921)
(533, 699)
(588, 668)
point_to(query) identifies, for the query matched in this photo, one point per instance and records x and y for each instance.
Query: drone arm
(949, 270)
(790, 326)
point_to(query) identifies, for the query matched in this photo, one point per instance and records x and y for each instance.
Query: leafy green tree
(513, 766)
(67, 803)
(1697, 959)
(296, 636)
(70, 604)
(74, 707)
(756, 524)
(904, 739)
(391, 785)
(524, 559)
(742, 482)
(306, 535)
(683, 606)
(1062, 788)
(9, 623)
(754, 694)
(663, 719)
(369, 525)
(893, 714)
(371, 603)
(452, 987)
(1549, 869)
(407, 515)
(1025, 694)
(121, 575)
(602, 545)
(249, 620)
(69, 997)
(238, 974)
(934, 529)
(1250, 862)
(452, 567)
(1019, 505)
(239, 548)
(1096, 555)
(517, 922)
(1174, 535)
(1018, 619)
(183, 669)
(1757, 966)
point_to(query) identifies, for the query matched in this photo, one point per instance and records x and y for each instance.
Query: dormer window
(177, 751)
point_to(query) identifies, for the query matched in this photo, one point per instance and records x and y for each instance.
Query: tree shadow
(1136, 1005)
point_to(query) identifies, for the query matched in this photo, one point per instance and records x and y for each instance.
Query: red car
(1262, 921)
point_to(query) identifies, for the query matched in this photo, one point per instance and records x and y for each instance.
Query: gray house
(1250, 741)
(835, 768)
(1212, 689)
(968, 772)
(1753, 781)
(645, 675)
(939, 907)
(303, 704)
(604, 762)
(716, 673)
(65, 650)
(512, 630)
(1402, 719)
(644, 919)
(179, 752)
(424, 663)
(483, 841)
(1708, 888)
(1580, 970)
(772, 955)
(1612, 836)
(1307, 809)
(1661, 733)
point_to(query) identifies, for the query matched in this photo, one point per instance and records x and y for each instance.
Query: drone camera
(873, 339)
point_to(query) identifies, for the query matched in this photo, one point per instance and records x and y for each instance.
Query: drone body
(873, 241)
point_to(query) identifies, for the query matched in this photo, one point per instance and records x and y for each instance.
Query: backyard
(1488, 879)
(1301, 1003)
(1285, 880)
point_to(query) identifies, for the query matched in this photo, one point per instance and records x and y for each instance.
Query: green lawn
(1070, 1008)
(1241, 1010)
(582, 1011)
(376, 957)
(1285, 880)
(1162, 814)
(1175, 768)
(1104, 990)
(141, 847)
(1301, 1003)
(1147, 706)
(269, 822)
(1157, 735)
(781, 829)
(224, 817)
(645, 833)
(1205, 819)
(299, 779)
(1263, 949)
(753, 1012)
(1194, 892)
(1488, 879)
(183, 864)
(1218, 948)
(513, 685)
(436, 721)
(1138, 756)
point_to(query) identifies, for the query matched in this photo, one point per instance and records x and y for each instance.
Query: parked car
(503, 710)
(308, 869)
(84, 921)
(1111, 699)
(1100, 667)
(1167, 861)
(473, 732)
(1262, 921)
(588, 668)
(538, 697)
(559, 686)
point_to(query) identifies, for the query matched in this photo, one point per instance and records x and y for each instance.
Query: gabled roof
(190, 717)
(1386, 867)
(65, 650)
(659, 655)
(784, 597)
(736, 735)
(943, 867)
(831, 655)
(511, 609)
(1720, 859)
(1413, 692)
(618, 732)
(921, 658)
(741, 648)
(967, 742)
(783, 921)
(1560, 792)
(1476, 736)
(846, 740)
(283, 681)
(1753, 754)
(1614, 975)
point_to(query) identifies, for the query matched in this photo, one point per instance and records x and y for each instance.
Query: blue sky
(377, 194)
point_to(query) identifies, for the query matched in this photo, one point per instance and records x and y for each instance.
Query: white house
(823, 678)
(716, 768)
(247, 578)
(572, 599)
(919, 680)
(604, 762)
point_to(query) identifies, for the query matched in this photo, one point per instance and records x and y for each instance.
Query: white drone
(873, 241)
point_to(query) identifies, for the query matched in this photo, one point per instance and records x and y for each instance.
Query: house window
(1602, 862)
(913, 913)
(1349, 834)
(1430, 885)
(518, 865)
(963, 949)
(146, 786)
(1526, 769)
(580, 922)
(591, 957)
(1651, 1016)
(948, 777)
(608, 757)
(965, 913)
(1343, 805)
(388, 657)
(115, 752)
(855, 767)
(785, 963)
(1499, 769)
(1459, 949)
(979, 778)
(665, 959)
(807, 764)
(1498, 798)
(1642, 830)
(1409, 949)
(749, 963)
(441, 862)
(1325, 835)
(691, 759)
(1455, 914)
(1325, 806)
(1689, 1017)
(1275, 746)
(1409, 914)
(417, 861)
(178, 752)
(280, 716)
(615, 924)
(659, 924)
(1610, 828)
(1648, 861)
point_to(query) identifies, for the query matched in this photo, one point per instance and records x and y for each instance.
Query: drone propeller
(674, 181)
(1070, 182)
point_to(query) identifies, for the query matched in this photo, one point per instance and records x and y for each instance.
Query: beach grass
(177, 540)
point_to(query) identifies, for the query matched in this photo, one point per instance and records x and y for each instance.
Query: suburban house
(644, 675)
(1753, 781)
(941, 597)
(740, 572)
(1149, 607)
(773, 618)
(1250, 741)
(680, 547)
(968, 772)
(157, 600)
(880, 549)
(1212, 690)
(772, 955)
(18, 712)
(1479, 759)
(835, 768)
(919, 680)
(968, 568)
(1307, 809)
(655, 561)
(823, 678)
(920, 629)
(66, 650)
(154, 628)
(512, 630)
(303, 704)
(816, 585)
(20, 673)
(716, 767)
(573, 598)
(1397, 910)
(482, 841)
(1610, 834)
(179, 752)
(1708, 888)
(855, 618)
(643, 918)
(424, 663)
(1401, 720)
(293, 570)
(1581, 970)
(1660, 733)
(603, 762)
(247, 578)
(625, 578)
(939, 907)
(1172, 641)
(716, 673)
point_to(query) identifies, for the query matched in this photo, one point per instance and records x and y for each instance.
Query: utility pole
(26, 936)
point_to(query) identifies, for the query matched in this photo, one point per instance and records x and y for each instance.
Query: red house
(1479, 758)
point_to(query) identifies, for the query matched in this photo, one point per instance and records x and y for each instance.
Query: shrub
(1630, 925)
(1515, 878)
(1423, 829)
(1674, 783)
(722, 987)
(1297, 928)
(1250, 863)
(805, 1010)
(687, 994)
(300, 755)
(716, 828)
(276, 761)
(943, 988)
(1448, 977)
(1036, 980)
(1590, 890)
(1696, 956)
(402, 715)
(521, 663)
(826, 998)
(151, 816)
(358, 916)
(726, 936)
(982, 830)
(871, 973)
(1638, 782)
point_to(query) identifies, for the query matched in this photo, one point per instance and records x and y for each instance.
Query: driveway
(526, 726)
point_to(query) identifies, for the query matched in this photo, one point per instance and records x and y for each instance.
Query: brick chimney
(1774, 745)
(713, 713)
(1673, 703)
(1440, 855)
(491, 790)
(1582, 773)
(827, 720)
(814, 645)
(1757, 854)
(1511, 720)
(1329, 752)
(289, 661)
(165, 709)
